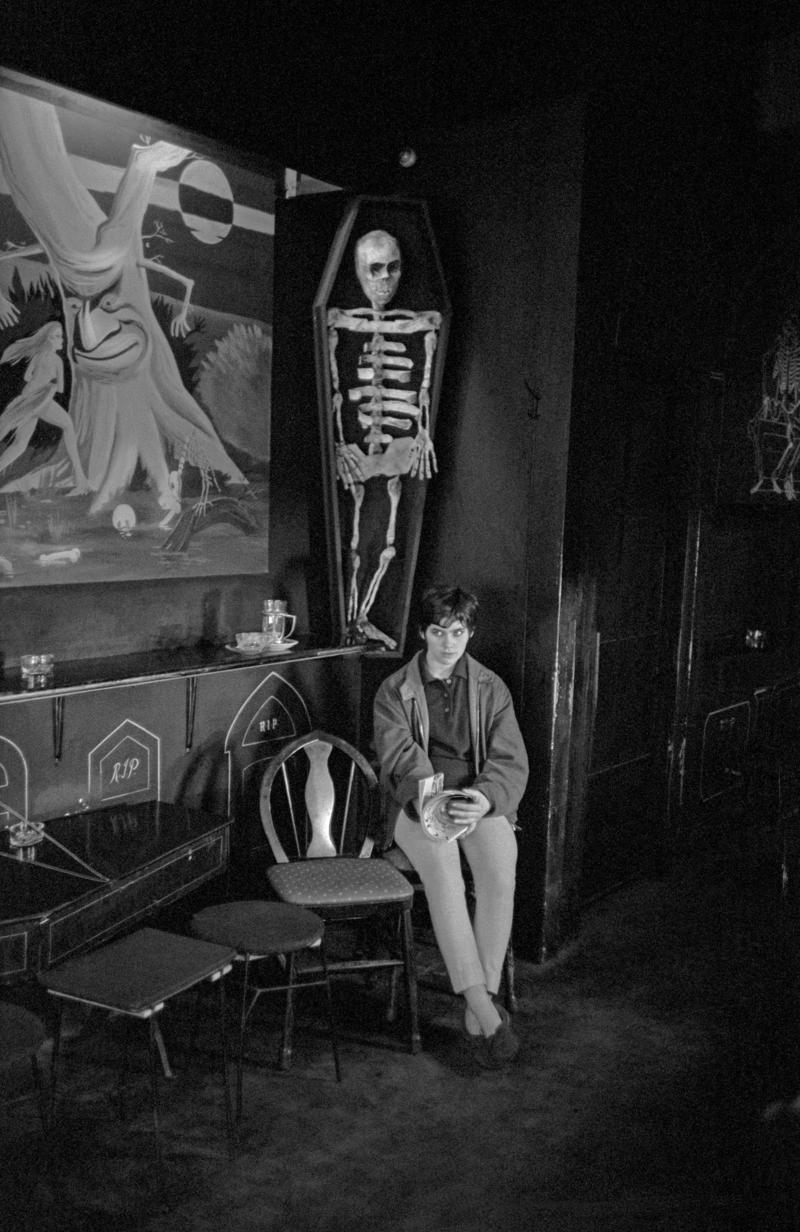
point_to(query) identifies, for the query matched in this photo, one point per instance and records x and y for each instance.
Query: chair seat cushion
(258, 927)
(338, 882)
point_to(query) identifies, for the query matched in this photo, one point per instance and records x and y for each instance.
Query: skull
(124, 520)
(378, 267)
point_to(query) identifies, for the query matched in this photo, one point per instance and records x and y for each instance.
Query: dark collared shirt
(449, 745)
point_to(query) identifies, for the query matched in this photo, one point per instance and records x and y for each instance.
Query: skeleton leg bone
(355, 560)
(393, 488)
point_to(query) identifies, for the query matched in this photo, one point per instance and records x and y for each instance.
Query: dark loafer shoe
(499, 1049)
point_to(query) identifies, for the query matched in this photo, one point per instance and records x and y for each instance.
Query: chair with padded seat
(135, 976)
(259, 930)
(320, 810)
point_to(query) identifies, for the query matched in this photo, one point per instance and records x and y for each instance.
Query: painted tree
(128, 402)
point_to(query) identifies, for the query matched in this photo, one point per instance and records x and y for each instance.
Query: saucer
(255, 651)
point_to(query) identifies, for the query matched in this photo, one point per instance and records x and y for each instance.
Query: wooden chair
(260, 931)
(320, 811)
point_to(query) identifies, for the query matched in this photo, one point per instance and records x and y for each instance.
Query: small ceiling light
(407, 157)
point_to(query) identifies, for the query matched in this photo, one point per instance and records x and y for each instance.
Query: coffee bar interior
(209, 562)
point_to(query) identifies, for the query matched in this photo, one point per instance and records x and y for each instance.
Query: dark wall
(504, 196)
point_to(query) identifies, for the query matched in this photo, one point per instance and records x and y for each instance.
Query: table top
(45, 864)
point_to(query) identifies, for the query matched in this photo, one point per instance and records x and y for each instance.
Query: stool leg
(242, 1032)
(410, 968)
(54, 1057)
(123, 1070)
(230, 1128)
(41, 1098)
(162, 1051)
(331, 1021)
(152, 1038)
(288, 1017)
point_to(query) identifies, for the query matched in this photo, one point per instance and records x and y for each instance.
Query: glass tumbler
(276, 623)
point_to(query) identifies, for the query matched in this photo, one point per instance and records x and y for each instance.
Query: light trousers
(474, 949)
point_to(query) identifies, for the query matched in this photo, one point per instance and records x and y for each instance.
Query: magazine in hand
(432, 804)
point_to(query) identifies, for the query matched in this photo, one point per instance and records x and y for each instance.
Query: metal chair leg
(410, 969)
(331, 1021)
(509, 980)
(287, 1042)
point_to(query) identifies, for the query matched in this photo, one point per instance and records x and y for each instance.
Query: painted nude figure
(44, 379)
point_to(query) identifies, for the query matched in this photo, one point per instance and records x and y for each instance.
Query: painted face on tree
(108, 335)
(378, 267)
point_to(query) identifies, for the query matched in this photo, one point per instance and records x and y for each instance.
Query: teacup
(254, 640)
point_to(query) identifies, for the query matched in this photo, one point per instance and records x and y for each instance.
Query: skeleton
(776, 425)
(387, 432)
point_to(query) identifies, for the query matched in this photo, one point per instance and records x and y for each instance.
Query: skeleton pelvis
(395, 459)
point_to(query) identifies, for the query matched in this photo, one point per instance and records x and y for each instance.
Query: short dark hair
(441, 604)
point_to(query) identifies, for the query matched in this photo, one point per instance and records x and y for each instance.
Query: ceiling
(338, 87)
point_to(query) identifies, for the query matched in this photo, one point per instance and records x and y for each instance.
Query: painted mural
(135, 348)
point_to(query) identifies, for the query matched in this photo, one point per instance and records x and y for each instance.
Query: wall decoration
(775, 426)
(135, 346)
(381, 319)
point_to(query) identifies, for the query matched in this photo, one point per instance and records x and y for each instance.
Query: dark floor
(653, 1094)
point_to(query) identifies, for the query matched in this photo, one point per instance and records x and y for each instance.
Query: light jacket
(401, 727)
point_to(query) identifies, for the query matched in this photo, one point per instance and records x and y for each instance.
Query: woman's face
(445, 644)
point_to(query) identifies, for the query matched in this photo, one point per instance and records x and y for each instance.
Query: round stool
(259, 929)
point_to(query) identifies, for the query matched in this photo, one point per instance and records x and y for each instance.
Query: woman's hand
(469, 809)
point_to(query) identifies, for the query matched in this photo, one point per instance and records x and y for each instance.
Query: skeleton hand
(8, 313)
(348, 465)
(423, 459)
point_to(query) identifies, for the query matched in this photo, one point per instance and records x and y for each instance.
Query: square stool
(136, 976)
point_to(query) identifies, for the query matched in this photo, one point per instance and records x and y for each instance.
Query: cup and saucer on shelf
(272, 637)
(258, 643)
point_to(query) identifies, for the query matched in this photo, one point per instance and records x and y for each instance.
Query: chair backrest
(319, 797)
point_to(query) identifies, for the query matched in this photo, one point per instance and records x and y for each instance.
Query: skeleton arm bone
(424, 461)
(347, 463)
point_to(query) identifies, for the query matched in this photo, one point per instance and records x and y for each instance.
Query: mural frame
(373, 531)
(136, 320)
